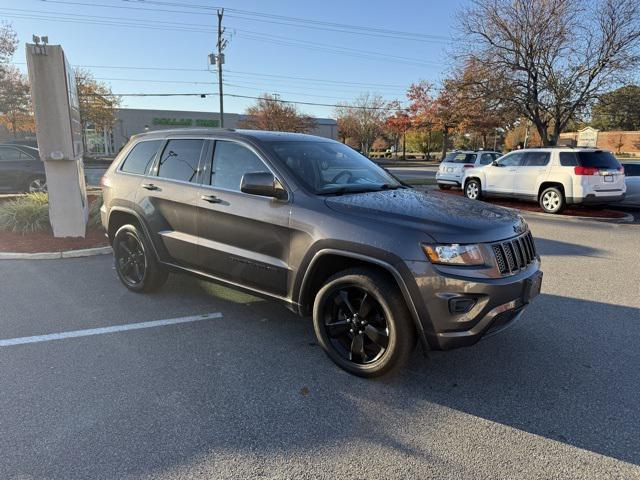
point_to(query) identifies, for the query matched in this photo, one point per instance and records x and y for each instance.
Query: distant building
(618, 142)
(131, 121)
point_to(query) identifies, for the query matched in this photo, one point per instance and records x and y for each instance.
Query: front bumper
(496, 304)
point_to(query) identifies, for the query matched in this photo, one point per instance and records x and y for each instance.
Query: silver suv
(454, 164)
(553, 177)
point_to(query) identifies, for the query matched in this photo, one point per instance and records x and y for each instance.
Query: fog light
(461, 304)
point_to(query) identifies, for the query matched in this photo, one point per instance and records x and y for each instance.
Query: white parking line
(99, 331)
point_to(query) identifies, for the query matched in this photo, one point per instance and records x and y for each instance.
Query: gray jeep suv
(312, 223)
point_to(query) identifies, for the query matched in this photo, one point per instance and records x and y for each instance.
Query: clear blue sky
(260, 56)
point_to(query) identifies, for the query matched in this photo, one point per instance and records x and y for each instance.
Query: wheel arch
(119, 216)
(473, 177)
(552, 183)
(328, 262)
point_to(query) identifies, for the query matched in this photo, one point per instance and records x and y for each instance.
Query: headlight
(454, 254)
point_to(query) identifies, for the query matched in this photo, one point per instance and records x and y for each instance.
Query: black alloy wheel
(355, 324)
(135, 262)
(130, 259)
(362, 322)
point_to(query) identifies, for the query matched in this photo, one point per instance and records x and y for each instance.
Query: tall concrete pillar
(59, 132)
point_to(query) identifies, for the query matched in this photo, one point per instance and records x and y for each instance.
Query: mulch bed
(593, 212)
(46, 242)
(38, 242)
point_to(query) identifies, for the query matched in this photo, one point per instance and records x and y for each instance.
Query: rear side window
(140, 156)
(536, 159)
(460, 158)
(179, 160)
(598, 159)
(568, 159)
(9, 154)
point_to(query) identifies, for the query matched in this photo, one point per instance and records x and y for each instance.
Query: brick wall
(617, 142)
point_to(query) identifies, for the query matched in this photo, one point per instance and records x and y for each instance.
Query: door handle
(211, 199)
(150, 186)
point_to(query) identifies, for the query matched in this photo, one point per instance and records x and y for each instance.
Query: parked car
(553, 177)
(632, 182)
(311, 223)
(454, 164)
(21, 169)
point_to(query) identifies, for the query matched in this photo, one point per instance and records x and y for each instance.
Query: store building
(131, 121)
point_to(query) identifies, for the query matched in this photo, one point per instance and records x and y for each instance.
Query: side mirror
(495, 163)
(263, 184)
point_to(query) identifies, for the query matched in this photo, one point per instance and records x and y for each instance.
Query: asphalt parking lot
(249, 394)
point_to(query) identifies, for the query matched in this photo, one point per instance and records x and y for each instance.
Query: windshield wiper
(359, 189)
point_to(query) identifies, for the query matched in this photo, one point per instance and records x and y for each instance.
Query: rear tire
(473, 190)
(362, 322)
(444, 187)
(36, 184)
(552, 200)
(135, 261)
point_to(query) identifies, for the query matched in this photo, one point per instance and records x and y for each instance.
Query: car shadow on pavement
(568, 372)
(556, 247)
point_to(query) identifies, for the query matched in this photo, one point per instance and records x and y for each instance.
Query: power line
(273, 19)
(370, 30)
(201, 28)
(254, 74)
(234, 95)
(262, 86)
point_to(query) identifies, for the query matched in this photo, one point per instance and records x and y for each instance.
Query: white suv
(554, 177)
(455, 163)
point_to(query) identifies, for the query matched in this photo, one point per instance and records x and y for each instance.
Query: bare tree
(365, 116)
(550, 59)
(269, 113)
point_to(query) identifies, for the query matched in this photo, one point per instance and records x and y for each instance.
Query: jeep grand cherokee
(312, 223)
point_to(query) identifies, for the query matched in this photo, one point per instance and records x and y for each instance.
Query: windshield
(329, 167)
(598, 159)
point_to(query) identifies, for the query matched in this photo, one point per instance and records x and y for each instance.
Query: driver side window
(512, 160)
(231, 161)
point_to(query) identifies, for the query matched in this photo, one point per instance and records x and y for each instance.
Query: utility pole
(221, 44)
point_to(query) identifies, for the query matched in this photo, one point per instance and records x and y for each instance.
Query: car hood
(446, 218)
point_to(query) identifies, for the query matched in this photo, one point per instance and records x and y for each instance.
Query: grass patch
(30, 213)
(26, 214)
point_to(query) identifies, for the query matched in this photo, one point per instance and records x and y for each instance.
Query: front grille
(514, 254)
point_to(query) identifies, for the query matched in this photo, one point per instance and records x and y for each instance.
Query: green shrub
(94, 212)
(25, 214)
(30, 213)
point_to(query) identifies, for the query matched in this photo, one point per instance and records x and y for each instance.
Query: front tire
(362, 322)
(473, 190)
(552, 200)
(135, 262)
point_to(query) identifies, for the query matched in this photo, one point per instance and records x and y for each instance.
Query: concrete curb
(85, 252)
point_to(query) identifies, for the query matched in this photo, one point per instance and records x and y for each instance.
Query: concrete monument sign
(588, 137)
(59, 134)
